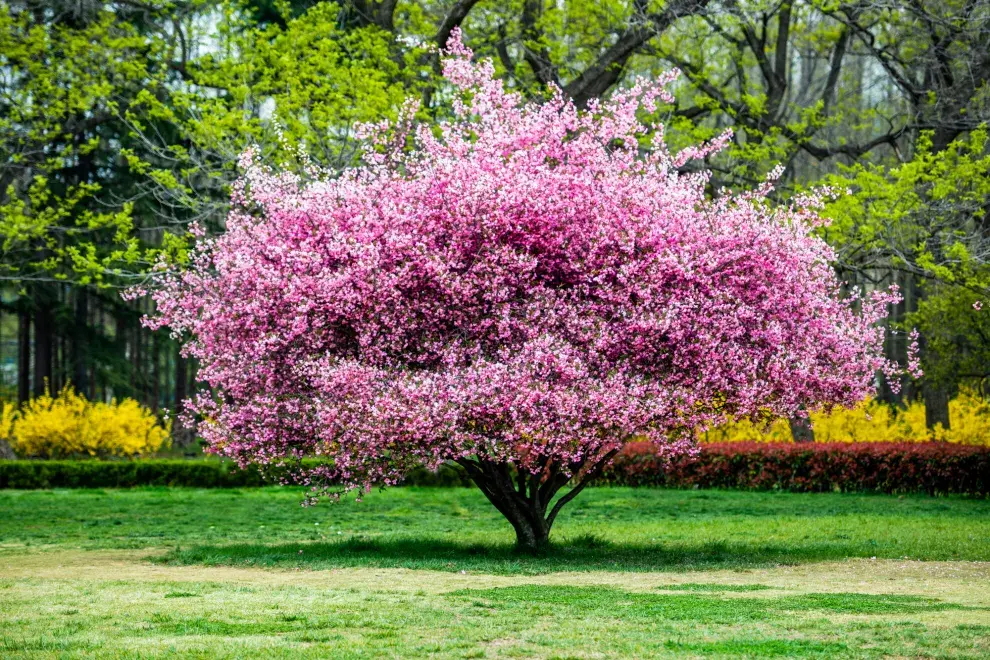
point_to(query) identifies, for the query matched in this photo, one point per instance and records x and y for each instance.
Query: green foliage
(110, 129)
(925, 215)
(956, 324)
(926, 218)
(64, 87)
(295, 86)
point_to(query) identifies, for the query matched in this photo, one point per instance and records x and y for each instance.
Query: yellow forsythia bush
(8, 413)
(873, 421)
(69, 425)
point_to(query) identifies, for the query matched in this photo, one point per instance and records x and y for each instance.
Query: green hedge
(30, 474)
(934, 468)
(125, 474)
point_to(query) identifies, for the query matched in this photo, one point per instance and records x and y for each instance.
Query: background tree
(925, 222)
(71, 71)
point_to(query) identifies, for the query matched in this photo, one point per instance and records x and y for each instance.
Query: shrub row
(30, 474)
(933, 468)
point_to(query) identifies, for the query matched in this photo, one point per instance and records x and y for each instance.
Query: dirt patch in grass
(965, 582)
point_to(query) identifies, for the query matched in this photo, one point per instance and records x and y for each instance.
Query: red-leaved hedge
(933, 468)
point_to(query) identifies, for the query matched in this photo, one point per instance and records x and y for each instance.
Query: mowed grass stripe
(76, 617)
(457, 529)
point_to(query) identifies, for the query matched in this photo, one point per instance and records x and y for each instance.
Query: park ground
(431, 573)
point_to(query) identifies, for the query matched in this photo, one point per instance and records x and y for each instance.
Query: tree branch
(534, 50)
(453, 18)
(600, 76)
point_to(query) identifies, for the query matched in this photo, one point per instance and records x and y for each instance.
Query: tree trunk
(43, 344)
(137, 375)
(895, 343)
(80, 347)
(155, 375)
(801, 429)
(23, 356)
(181, 380)
(524, 499)
(936, 405)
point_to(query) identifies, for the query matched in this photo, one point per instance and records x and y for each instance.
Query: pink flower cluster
(524, 284)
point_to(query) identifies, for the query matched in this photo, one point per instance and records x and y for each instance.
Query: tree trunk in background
(23, 356)
(137, 378)
(44, 331)
(80, 347)
(62, 369)
(936, 405)
(895, 343)
(95, 323)
(935, 395)
(181, 436)
(123, 348)
(181, 378)
(155, 374)
(801, 429)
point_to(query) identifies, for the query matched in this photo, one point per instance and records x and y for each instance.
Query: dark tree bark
(936, 398)
(602, 74)
(137, 377)
(44, 342)
(453, 18)
(124, 347)
(801, 429)
(80, 343)
(155, 374)
(23, 356)
(525, 499)
(6, 452)
(362, 13)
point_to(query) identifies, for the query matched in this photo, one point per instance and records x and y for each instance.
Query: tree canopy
(515, 289)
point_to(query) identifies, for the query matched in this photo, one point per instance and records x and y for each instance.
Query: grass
(420, 572)
(456, 529)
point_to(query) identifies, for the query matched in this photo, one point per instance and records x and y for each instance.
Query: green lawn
(421, 572)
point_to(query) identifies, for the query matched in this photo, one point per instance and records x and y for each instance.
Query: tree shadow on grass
(712, 607)
(587, 553)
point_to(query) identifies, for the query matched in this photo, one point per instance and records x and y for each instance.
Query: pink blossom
(914, 355)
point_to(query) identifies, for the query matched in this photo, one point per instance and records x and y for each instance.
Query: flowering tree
(521, 290)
